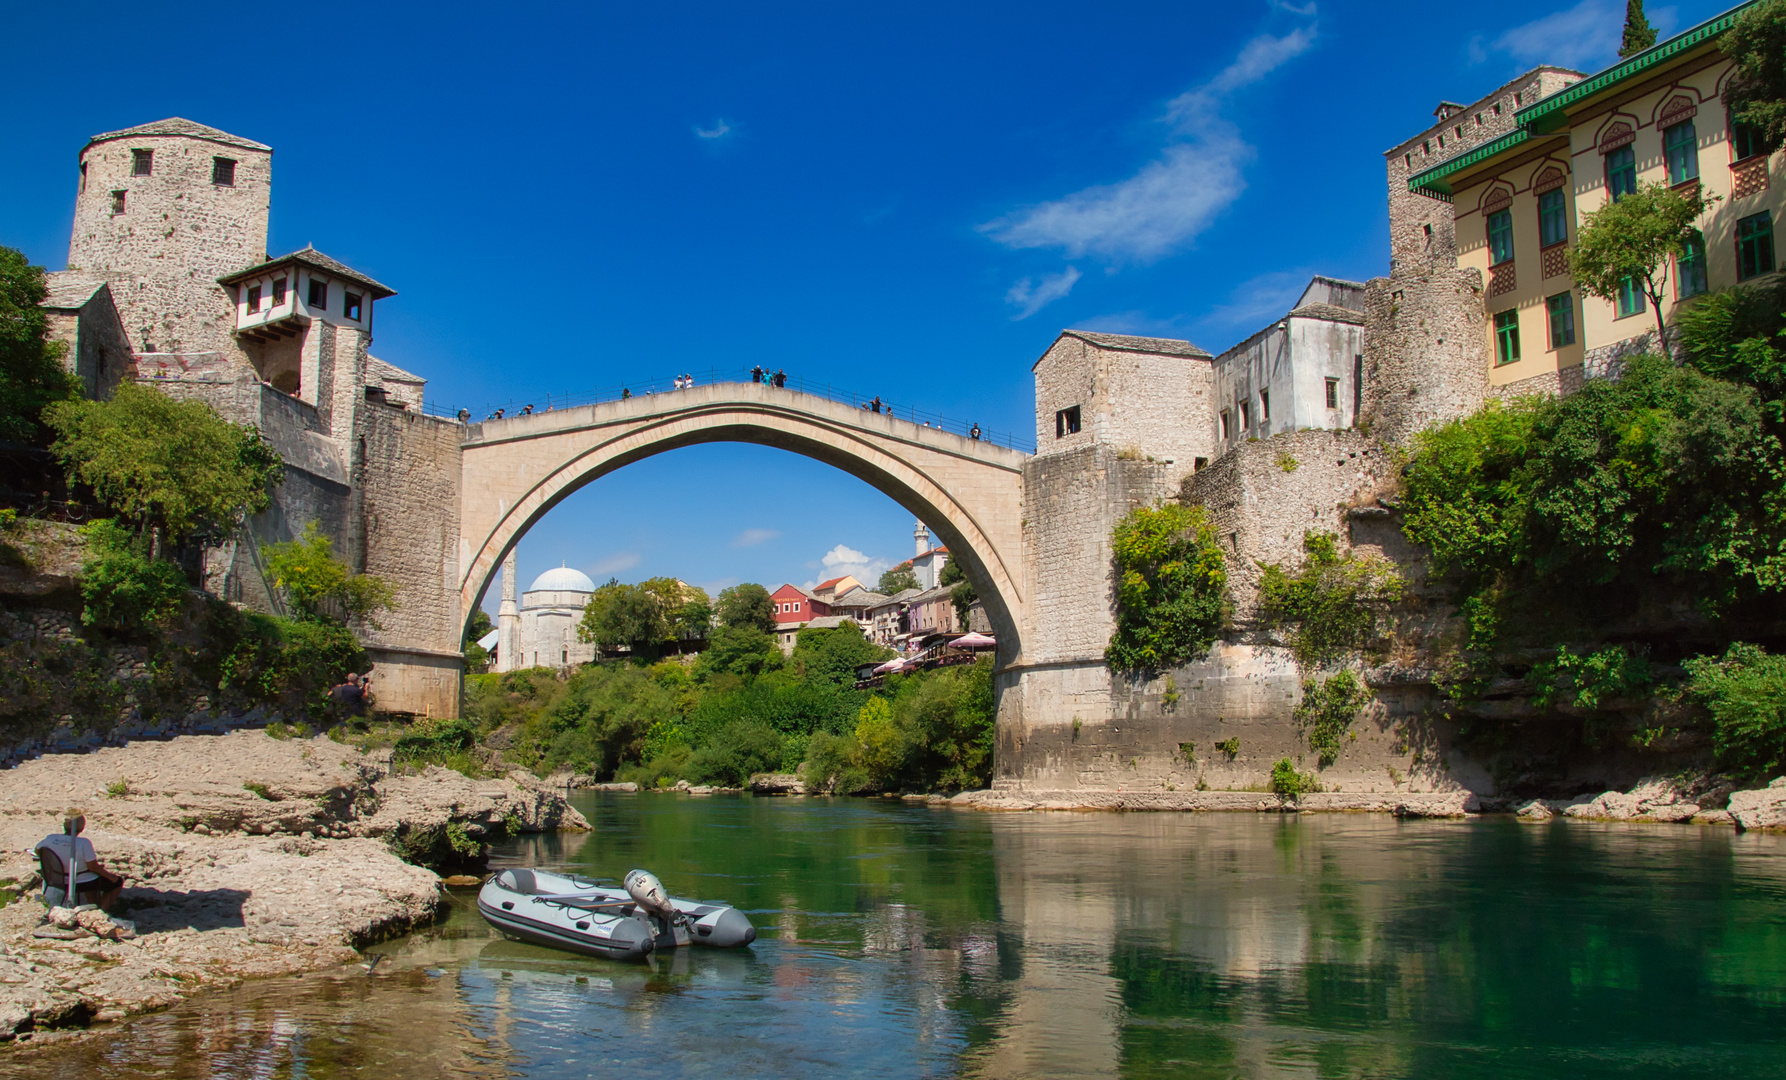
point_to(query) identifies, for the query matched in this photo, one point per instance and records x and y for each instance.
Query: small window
(253, 299)
(1066, 422)
(1680, 148)
(142, 162)
(83, 176)
(1630, 297)
(1407, 158)
(1427, 146)
(1519, 98)
(351, 309)
(1333, 393)
(1755, 246)
(1426, 229)
(319, 295)
(278, 291)
(1507, 337)
(223, 171)
(1265, 406)
(1227, 425)
(1246, 416)
(1689, 276)
(1441, 142)
(1500, 237)
(1561, 309)
(117, 203)
(1553, 218)
(1621, 172)
(1497, 108)
(1746, 140)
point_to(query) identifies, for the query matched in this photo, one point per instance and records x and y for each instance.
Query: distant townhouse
(794, 608)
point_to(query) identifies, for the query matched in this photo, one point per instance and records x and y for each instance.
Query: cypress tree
(1639, 34)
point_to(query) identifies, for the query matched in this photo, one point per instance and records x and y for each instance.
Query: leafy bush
(832, 656)
(1327, 710)
(1171, 588)
(1585, 680)
(735, 752)
(1332, 603)
(1745, 692)
(321, 586)
(290, 663)
(31, 371)
(935, 732)
(602, 718)
(1289, 783)
(122, 587)
(743, 651)
(449, 743)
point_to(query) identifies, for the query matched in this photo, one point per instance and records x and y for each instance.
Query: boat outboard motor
(648, 893)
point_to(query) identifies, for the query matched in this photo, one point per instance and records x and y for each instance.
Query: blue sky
(910, 201)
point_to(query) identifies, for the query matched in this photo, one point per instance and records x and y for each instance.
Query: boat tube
(565, 912)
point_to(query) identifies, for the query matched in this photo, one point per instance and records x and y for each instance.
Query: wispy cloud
(612, 565)
(753, 537)
(1030, 296)
(1255, 301)
(719, 130)
(842, 560)
(1174, 197)
(1585, 36)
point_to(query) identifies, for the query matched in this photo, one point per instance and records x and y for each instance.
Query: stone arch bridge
(969, 492)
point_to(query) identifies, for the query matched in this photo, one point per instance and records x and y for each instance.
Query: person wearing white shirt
(93, 883)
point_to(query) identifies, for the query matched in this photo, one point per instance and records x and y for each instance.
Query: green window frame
(1553, 218)
(1746, 140)
(1630, 297)
(1561, 309)
(1507, 337)
(1689, 268)
(1621, 173)
(1680, 148)
(1500, 237)
(1754, 246)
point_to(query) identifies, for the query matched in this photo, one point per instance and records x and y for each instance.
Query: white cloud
(842, 560)
(1032, 296)
(1173, 197)
(753, 537)
(719, 130)
(612, 565)
(1585, 37)
(1256, 301)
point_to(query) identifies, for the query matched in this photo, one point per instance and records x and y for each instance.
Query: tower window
(83, 176)
(351, 309)
(1226, 423)
(319, 295)
(117, 203)
(278, 291)
(1066, 422)
(1265, 406)
(223, 171)
(253, 299)
(1333, 393)
(1246, 416)
(142, 162)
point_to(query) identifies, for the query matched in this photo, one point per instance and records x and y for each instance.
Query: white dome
(562, 579)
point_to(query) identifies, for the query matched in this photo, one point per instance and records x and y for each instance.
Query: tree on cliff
(1757, 42)
(173, 469)
(320, 586)
(1639, 34)
(31, 372)
(1171, 588)
(1625, 245)
(747, 604)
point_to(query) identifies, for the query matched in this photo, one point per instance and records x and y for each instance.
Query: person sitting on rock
(93, 883)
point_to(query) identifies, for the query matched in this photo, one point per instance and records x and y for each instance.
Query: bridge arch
(969, 492)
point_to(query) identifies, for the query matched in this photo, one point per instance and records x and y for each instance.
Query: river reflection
(906, 941)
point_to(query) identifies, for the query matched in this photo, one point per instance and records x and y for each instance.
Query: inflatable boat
(566, 912)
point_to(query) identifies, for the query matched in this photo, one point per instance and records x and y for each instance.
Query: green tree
(961, 591)
(743, 651)
(1745, 692)
(1171, 587)
(172, 468)
(694, 618)
(320, 586)
(1639, 35)
(477, 658)
(747, 604)
(31, 372)
(1739, 334)
(122, 587)
(897, 580)
(1757, 42)
(630, 616)
(832, 656)
(1631, 241)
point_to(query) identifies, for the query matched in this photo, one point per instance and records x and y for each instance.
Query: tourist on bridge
(875, 405)
(625, 393)
(688, 382)
(756, 374)
(465, 416)
(528, 411)
(781, 377)
(974, 434)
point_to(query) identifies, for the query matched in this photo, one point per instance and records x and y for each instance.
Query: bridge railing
(842, 395)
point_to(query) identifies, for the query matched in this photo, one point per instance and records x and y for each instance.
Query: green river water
(900, 940)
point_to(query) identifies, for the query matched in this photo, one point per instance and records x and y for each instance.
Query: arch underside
(903, 471)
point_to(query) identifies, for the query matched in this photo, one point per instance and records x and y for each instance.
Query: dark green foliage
(288, 662)
(1639, 34)
(1171, 588)
(1288, 782)
(1229, 746)
(122, 588)
(603, 717)
(1745, 692)
(1331, 604)
(746, 605)
(626, 616)
(174, 467)
(1578, 508)
(1758, 90)
(318, 585)
(1588, 680)
(1739, 334)
(832, 656)
(31, 372)
(442, 847)
(445, 742)
(735, 752)
(961, 591)
(1327, 710)
(897, 580)
(743, 651)
(477, 658)
(935, 733)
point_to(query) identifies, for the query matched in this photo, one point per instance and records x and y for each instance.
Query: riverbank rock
(777, 784)
(1437, 804)
(1763, 808)
(1654, 798)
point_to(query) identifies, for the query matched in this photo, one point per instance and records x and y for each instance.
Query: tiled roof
(1330, 312)
(858, 598)
(178, 125)
(929, 595)
(309, 256)
(827, 622)
(1169, 346)
(70, 291)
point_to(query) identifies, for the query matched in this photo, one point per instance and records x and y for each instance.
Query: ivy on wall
(1171, 588)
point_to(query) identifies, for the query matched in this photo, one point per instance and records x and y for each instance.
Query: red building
(794, 606)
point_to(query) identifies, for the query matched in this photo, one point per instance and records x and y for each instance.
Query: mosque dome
(562, 579)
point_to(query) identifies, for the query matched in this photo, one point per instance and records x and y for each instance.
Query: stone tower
(920, 539)
(163, 211)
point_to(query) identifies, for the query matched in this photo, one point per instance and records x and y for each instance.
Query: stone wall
(1147, 396)
(1425, 350)
(99, 352)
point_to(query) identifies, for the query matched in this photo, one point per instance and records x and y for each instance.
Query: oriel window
(351, 309)
(319, 295)
(253, 299)
(278, 291)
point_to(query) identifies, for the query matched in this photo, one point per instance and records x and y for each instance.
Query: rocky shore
(243, 855)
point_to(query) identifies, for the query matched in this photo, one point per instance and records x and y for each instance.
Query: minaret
(508, 619)
(921, 538)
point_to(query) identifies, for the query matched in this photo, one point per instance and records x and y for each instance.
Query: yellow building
(1518, 200)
